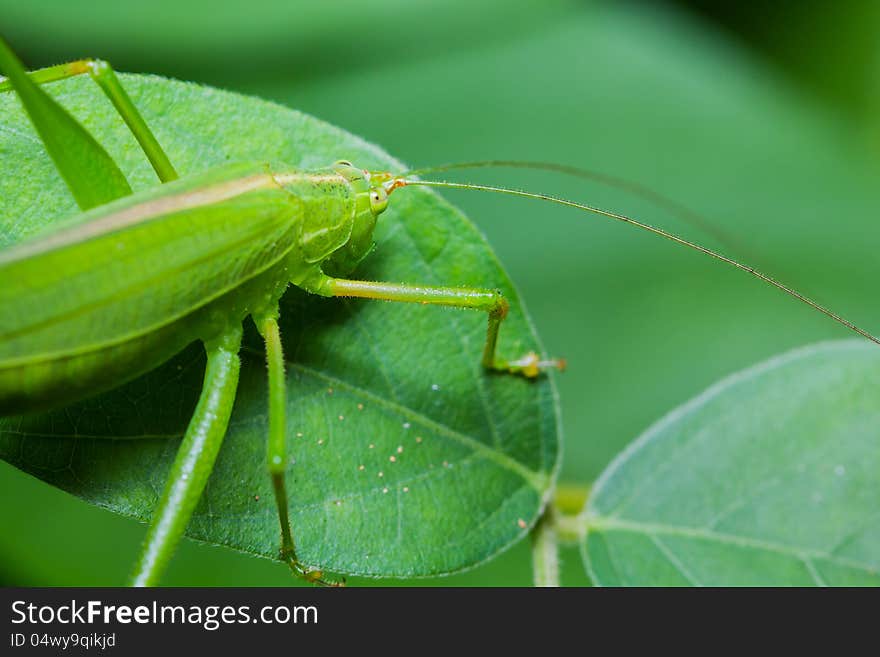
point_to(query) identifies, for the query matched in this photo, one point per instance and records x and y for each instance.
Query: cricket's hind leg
(489, 301)
(277, 446)
(102, 73)
(195, 458)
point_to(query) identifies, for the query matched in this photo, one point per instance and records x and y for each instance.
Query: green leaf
(409, 459)
(90, 173)
(767, 478)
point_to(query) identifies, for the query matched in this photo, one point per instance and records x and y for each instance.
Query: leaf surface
(767, 478)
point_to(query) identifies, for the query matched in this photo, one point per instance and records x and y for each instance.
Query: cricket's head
(371, 200)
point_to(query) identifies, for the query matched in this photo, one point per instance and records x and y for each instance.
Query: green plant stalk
(545, 551)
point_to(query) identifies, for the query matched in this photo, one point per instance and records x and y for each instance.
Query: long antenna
(670, 205)
(394, 183)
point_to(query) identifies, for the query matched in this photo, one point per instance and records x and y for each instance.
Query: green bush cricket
(294, 226)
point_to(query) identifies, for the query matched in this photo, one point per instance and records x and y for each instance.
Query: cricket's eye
(378, 200)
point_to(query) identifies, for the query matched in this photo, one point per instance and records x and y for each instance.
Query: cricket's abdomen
(122, 288)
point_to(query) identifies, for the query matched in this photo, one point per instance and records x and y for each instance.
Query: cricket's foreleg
(195, 459)
(102, 73)
(277, 444)
(489, 301)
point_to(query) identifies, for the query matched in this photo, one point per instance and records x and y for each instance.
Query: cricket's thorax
(337, 218)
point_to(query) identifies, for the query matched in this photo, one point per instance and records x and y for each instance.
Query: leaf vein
(596, 523)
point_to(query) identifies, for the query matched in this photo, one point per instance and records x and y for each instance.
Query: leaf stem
(545, 551)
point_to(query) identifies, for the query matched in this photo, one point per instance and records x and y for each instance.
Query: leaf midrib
(604, 523)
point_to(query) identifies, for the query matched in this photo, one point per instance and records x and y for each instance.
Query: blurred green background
(764, 119)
